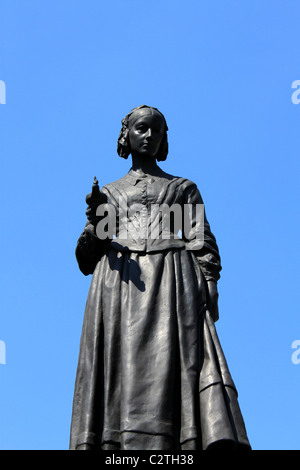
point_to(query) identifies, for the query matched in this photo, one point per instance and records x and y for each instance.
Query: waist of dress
(149, 245)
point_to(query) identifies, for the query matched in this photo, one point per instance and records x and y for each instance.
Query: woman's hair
(123, 147)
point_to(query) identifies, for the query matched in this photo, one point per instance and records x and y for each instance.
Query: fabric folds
(151, 372)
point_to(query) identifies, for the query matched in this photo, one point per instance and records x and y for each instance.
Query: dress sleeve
(89, 250)
(198, 236)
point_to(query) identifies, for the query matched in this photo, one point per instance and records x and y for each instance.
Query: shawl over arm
(199, 238)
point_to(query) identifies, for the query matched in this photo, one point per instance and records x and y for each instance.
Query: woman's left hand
(213, 296)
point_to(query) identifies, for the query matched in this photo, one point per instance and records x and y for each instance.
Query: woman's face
(146, 134)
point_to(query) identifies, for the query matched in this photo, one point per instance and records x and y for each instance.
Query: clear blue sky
(222, 74)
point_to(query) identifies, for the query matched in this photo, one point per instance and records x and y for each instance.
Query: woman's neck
(144, 164)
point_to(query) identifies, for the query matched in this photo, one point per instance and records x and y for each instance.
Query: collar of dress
(135, 177)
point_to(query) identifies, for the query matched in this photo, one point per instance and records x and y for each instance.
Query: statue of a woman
(151, 372)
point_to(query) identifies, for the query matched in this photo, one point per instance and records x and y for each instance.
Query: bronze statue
(151, 372)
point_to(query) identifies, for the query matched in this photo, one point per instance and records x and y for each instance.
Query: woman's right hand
(94, 201)
(91, 213)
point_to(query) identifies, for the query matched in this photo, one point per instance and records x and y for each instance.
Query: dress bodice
(150, 213)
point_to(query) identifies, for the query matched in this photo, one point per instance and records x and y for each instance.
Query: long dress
(151, 372)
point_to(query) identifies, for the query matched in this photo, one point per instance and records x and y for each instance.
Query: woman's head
(136, 123)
